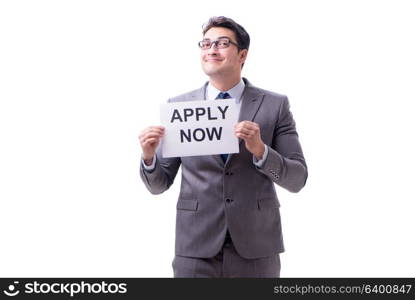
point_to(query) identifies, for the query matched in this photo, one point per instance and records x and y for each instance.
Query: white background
(80, 79)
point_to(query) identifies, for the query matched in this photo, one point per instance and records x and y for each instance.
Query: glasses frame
(215, 42)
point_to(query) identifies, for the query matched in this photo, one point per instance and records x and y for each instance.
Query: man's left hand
(251, 134)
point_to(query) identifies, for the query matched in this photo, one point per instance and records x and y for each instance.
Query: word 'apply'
(197, 113)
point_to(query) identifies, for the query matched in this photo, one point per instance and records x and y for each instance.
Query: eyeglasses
(221, 43)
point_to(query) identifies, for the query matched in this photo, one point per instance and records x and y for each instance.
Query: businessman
(228, 220)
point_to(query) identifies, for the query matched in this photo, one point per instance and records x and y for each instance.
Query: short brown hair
(242, 37)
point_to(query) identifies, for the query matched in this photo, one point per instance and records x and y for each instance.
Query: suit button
(228, 200)
(228, 173)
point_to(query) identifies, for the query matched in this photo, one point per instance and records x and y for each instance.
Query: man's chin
(211, 71)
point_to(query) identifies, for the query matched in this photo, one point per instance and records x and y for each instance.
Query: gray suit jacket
(236, 195)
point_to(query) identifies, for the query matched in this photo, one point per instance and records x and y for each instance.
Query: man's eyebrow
(220, 37)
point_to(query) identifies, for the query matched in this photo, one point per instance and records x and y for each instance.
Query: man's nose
(213, 49)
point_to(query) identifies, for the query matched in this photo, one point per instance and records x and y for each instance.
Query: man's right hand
(149, 140)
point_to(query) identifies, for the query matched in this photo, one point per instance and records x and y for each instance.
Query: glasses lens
(223, 43)
(205, 44)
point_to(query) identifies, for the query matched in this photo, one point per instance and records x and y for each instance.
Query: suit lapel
(199, 94)
(251, 101)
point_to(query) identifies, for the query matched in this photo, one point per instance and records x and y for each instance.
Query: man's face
(225, 61)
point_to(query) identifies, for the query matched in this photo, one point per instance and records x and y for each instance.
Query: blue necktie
(223, 95)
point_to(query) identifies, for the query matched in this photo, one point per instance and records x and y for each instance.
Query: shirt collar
(235, 92)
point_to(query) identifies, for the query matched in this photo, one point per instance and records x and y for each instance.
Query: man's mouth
(213, 59)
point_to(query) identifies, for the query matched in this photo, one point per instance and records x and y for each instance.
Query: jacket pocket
(187, 204)
(268, 203)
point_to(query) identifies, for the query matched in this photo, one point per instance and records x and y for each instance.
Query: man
(228, 222)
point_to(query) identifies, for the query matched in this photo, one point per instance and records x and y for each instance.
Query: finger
(160, 129)
(240, 124)
(252, 126)
(246, 122)
(242, 135)
(150, 135)
(157, 128)
(248, 125)
(144, 132)
(150, 141)
(151, 130)
(246, 131)
(156, 131)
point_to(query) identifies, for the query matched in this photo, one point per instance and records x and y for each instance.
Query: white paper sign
(199, 128)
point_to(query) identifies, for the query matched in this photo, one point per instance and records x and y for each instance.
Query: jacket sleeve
(285, 164)
(162, 176)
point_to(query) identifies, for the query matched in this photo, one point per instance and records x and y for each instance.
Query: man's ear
(243, 55)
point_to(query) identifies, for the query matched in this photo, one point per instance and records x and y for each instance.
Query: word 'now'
(200, 134)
